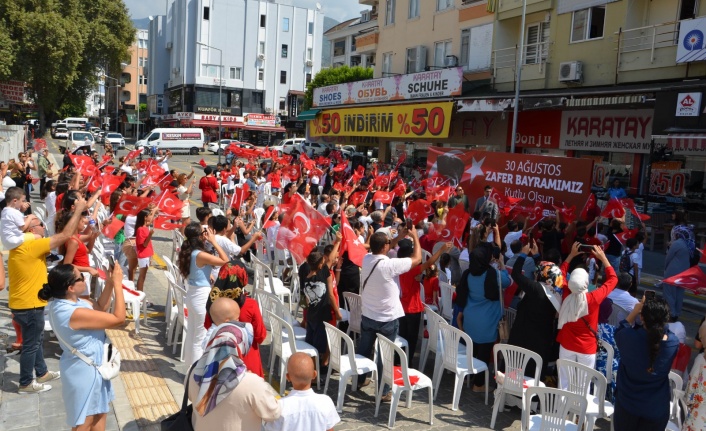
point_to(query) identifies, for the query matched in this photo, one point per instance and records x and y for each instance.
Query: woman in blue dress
(82, 324)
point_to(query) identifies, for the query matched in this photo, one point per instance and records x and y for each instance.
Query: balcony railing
(367, 41)
(535, 53)
(649, 38)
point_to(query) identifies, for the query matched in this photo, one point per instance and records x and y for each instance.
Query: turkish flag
(131, 205)
(153, 169)
(39, 144)
(505, 203)
(268, 214)
(165, 223)
(382, 181)
(239, 196)
(568, 215)
(83, 164)
(692, 279)
(132, 154)
(418, 211)
(614, 209)
(402, 157)
(291, 172)
(630, 204)
(301, 229)
(358, 198)
(109, 185)
(342, 188)
(400, 189)
(374, 171)
(351, 243)
(626, 235)
(94, 183)
(590, 203)
(165, 181)
(112, 229)
(316, 171)
(456, 221)
(323, 161)
(170, 203)
(108, 170)
(306, 161)
(383, 197)
(104, 161)
(441, 193)
(535, 215)
(340, 167)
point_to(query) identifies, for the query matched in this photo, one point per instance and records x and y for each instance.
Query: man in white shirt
(162, 159)
(513, 234)
(621, 297)
(322, 205)
(221, 226)
(380, 294)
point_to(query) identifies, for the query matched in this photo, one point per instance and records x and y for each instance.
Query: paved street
(151, 380)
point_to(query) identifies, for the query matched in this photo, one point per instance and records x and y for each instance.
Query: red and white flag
(630, 204)
(568, 214)
(170, 203)
(84, 165)
(165, 223)
(358, 198)
(692, 279)
(383, 197)
(239, 196)
(301, 229)
(419, 210)
(626, 235)
(351, 243)
(441, 193)
(614, 209)
(112, 229)
(131, 155)
(590, 203)
(131, 205)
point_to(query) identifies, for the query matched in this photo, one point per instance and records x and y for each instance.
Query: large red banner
(537, 180)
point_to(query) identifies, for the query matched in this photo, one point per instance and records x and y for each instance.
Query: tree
(333, 76)
(60, 45)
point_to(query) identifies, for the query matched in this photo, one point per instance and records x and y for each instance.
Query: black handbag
(181, 420)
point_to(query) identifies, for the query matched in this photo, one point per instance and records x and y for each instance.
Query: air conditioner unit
(169, 45)
(365, 16)
(283, 113)
(419, 55)
(571, 71)
(309, 63)
(268, 110)
(261, 56)
(176, 70)
(450, 61)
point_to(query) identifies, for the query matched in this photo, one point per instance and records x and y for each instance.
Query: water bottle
(93, 225)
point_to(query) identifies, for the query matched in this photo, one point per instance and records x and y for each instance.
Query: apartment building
(343, 39)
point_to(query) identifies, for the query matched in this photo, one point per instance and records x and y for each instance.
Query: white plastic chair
(618, 314)
(431, 343)
(610, 354)
(348, 364)
(276, 307)
(177, 241)
(355, 309)
(136, 302)
(581, 380)
(258, 213)
(182, 323)
(425, 256)
(264, 280)
(447, 291)
(556, 408)
(510, 314)
(400, 380)
(170, 308)
(677, 404)
(285, 346)
(513, 381)
(459, 360)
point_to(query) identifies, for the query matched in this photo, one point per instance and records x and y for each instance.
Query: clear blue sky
(339, 10)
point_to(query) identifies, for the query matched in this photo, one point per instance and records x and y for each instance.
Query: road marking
(160, 262)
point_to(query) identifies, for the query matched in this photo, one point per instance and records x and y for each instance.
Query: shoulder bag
(366, 278)
(503, 328)
(181, 420)
(109, 369)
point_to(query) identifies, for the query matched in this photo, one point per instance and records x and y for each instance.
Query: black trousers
(409, 330)
(626, 421)
(483, 352)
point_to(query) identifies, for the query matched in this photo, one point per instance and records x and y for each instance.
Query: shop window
(588, 24)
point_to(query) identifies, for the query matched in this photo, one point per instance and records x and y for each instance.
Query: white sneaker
(49, 376)
(34, 388)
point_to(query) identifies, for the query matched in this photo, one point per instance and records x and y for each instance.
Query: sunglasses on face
(79, 278)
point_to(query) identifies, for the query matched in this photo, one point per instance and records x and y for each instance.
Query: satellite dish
(318, 6)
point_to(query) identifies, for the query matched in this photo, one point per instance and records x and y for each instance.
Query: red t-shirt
(411, 291)
(208, 186)
(141, 235)
(576, 336)
(275, 179)
(431, 285)
(59, 198)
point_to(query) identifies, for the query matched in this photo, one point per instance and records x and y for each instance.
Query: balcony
(368, 2)
(367, 43)
(649, 48)
(513, 8)
(533, 71)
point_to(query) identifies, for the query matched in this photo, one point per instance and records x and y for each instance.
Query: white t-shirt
(638, 254)
(509, 238)
(305, 411)
(232, 249)
(129, 228)
(381, 296)
(163, 164)
(12, 221)
(127, 169)
(322, 208)
(623, 299)
(50, 203)
(678, 329)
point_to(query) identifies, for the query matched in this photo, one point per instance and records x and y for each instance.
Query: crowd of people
(561, 276)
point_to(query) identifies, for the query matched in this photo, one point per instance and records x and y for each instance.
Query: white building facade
(343, 37)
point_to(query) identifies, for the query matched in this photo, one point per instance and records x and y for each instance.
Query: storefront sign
(214, 110)
(627, 131)
(262, 120)
(536, 129)
(688, 104)
(188, 116)
(435, 83)
(172, 136)
(12, 91)
(538, 180)
(669, 182)
(394, 121)
(690, 45)
(485, 105)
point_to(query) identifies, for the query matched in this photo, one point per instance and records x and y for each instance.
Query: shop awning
(265, 129)
(684, 143)
(203, 123)
(308, 115)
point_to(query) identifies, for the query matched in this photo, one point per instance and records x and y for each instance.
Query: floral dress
(695, 393)
(606, 333)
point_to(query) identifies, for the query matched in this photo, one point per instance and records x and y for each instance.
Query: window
(260, 74)
(441, 50)
(206, 12)
(416, 59)
(386, 63)
(311, 27)
(282, 104)
(283, 77)
(143, 80)
(477, 47)
(355, 61)
(443, 4)
(235, 73)
(142, 62)
(285, 51)
(285, 24)
(308, 78)
(261, 49)
(209, 70)
(309, 53)
(257, 98)
(389, 12)
(536, 43)
(339, 47)
(263, 20)
(588, 24)
(413, 9)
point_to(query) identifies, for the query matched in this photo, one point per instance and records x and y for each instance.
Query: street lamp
(220, 94)
(518, 77)
(137, 95)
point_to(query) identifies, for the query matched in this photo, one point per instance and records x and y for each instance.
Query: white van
(186, 140)
(76, 123)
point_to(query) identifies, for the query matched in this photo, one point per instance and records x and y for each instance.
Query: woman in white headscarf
(578, 316)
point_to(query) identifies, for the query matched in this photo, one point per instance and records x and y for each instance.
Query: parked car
(288, 146)
(189, 140)
(77, 141)
(216, 147)
(61, 133)
(348, 151)
(307, 147)
(114, 139)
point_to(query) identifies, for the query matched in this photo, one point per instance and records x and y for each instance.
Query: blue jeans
(369, 329)
(32, 356)
(674, 297)
(614, 262)
(119, 255)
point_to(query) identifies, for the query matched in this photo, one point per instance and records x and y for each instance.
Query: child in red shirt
(143, 243)
(431, 286)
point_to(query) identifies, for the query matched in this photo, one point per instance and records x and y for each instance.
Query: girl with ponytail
(646, 355)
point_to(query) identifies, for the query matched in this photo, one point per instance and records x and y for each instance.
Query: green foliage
(58, 46)
(72, 108)
(333, 76)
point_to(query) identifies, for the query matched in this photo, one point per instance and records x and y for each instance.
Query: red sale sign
(536, 180)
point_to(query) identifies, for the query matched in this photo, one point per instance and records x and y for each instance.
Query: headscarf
(479, 260)
(575, 306)
(221, 367)
(684, 232)
(605, 310)
(552, 280)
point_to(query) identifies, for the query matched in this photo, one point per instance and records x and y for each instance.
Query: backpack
(625, 264)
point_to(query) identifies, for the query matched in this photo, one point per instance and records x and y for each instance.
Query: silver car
(114, 139)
